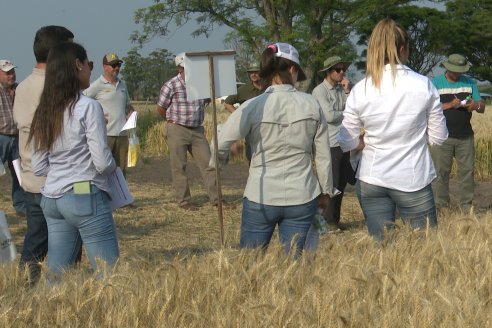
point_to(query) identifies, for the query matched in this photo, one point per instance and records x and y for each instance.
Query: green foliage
(427, 29)
(322, 28)
(145, 75)
(317, 28)
(470, 25)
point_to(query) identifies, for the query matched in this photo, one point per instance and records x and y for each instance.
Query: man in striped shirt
(185, 133)
(9, 135)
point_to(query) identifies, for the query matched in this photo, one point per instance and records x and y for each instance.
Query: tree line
(318, 29)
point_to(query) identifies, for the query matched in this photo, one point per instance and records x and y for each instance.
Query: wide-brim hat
(288, 51)
(456, 63)
(253, 67)
(332, 61)
(111, 58)
(6, 65)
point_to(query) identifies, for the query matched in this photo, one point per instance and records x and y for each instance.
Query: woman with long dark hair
(285, 128)
(68, 133)
(401, 114)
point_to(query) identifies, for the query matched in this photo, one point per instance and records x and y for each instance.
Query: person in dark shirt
(460, 97)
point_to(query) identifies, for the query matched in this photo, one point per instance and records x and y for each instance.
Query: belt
(184, 126)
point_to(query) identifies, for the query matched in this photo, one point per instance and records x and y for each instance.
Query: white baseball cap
(6, 65)
(287, 51)
(179, 59)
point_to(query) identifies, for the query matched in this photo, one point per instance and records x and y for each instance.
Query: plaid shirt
(178, 109)
(7, 124)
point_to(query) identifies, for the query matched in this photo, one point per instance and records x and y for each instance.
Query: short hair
(46, 38)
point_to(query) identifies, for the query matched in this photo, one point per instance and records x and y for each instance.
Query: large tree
(470, 33)
(144, 76)
(427, 29)
(318, 28)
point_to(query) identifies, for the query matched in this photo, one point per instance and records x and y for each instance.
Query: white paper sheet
(17, 169)
(131, 123)
(120, 194)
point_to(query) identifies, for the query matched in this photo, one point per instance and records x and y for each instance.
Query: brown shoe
(188, 207)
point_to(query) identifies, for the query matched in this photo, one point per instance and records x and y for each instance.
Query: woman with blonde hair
(400, 113)
(284, 126)
(69, 147)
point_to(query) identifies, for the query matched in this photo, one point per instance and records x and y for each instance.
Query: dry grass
(173, 272)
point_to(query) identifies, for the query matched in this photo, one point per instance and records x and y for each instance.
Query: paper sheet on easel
(198, 78)
(131, 123)
(17, 169)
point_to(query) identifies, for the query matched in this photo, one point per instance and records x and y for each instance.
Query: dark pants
(36, 238)
(340, 162)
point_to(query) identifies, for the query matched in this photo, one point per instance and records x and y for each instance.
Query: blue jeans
(74, 218)
(9, 151)
(378, 204)
(259, 221)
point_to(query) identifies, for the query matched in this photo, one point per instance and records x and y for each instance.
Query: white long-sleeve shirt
(399, 120)
(283, 125)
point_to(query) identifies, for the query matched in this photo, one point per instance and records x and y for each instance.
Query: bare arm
(230, 108)
(162, 112)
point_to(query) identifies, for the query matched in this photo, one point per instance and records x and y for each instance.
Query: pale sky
(101, 26)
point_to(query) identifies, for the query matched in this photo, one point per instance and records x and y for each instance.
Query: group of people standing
(303, 149)
(68, 141)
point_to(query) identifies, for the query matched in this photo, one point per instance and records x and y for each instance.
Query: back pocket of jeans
(82, 204)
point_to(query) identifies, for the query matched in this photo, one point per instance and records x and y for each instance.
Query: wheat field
(174, 272)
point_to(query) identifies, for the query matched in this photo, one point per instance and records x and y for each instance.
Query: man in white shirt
(112, 94)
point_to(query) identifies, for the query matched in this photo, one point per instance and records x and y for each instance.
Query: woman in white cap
(283, 126)
(401, 114)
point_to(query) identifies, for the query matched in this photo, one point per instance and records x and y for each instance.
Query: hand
(362, 144)
(323, 201)
(471, 106)
(345, 85)
(455, 103)
(132, 109)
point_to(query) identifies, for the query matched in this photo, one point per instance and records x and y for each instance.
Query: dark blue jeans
(9, 151)
(259, 221)
(379, 205)
(36, 238)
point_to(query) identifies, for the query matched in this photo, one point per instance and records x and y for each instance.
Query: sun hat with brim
(456, 63)
(253, 67)
(6, 65)
(287, 51)
(332, 61)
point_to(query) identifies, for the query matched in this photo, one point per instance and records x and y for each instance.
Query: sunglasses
(339, 69)
(116, 65)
